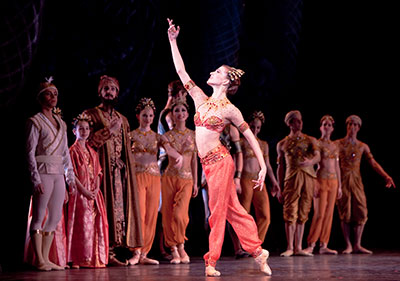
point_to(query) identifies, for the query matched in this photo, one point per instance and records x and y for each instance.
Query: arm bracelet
(189, 85)
(238, 175)
(243, 127)
(238, 148)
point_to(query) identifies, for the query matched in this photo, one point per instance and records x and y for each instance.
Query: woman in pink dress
(87, 230)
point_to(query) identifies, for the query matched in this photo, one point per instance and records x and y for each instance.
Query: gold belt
(214, 155)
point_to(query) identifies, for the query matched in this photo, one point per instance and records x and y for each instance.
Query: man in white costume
(48, 162)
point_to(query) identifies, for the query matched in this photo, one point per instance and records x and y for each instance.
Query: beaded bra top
(328, 152)
(140, 146)
(213, 123)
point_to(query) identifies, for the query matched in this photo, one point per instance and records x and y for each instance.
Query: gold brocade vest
(350, 156)
(296, 149)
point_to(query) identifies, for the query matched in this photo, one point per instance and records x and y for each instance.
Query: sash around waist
(50, 159)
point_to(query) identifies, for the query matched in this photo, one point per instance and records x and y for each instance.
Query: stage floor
(379, 266)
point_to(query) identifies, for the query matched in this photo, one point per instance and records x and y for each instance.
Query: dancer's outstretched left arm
(235, 116)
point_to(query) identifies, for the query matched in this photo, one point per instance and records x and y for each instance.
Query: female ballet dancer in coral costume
(212, 115)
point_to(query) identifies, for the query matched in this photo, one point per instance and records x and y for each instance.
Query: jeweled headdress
(180, 100)
(258, 115)
(143, 103)
(235, 73)
(82, 117)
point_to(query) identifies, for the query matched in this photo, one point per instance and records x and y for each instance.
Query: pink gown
(87, 226)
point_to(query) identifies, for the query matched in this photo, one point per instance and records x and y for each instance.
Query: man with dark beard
(110, 137)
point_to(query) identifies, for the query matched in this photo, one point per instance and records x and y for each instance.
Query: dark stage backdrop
(320, 57)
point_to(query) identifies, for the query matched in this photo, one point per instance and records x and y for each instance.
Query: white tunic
(47, 148)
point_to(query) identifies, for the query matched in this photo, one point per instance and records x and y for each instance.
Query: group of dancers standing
(114, 179)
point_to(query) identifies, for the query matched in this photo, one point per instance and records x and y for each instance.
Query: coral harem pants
(224, 205)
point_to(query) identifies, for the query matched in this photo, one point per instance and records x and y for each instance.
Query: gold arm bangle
(243, 127)
(189, 85)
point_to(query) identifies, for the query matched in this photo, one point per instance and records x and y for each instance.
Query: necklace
(181, 132)
(215, 104)
(143, 133)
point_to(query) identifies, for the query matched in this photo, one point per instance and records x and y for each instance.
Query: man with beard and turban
(110, 138)
(352, 206)
(297, 180)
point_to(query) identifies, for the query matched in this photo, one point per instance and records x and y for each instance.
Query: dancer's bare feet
(327, 251)
(212, 272)
(54, 266)
(43, 267)
(303, 253)
(348, 250)
(309, 249)
(287, 253)
(361, 250)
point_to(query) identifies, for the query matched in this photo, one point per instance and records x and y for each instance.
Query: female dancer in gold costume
(259, 198)
(178, 185)
(145, 145)
(328, 189)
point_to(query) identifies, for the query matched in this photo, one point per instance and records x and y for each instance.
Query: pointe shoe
(262, 261)
(211, 271)
(135, 259)
(183, 255)
(176, 258)
(147, 261)
(185, 259)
